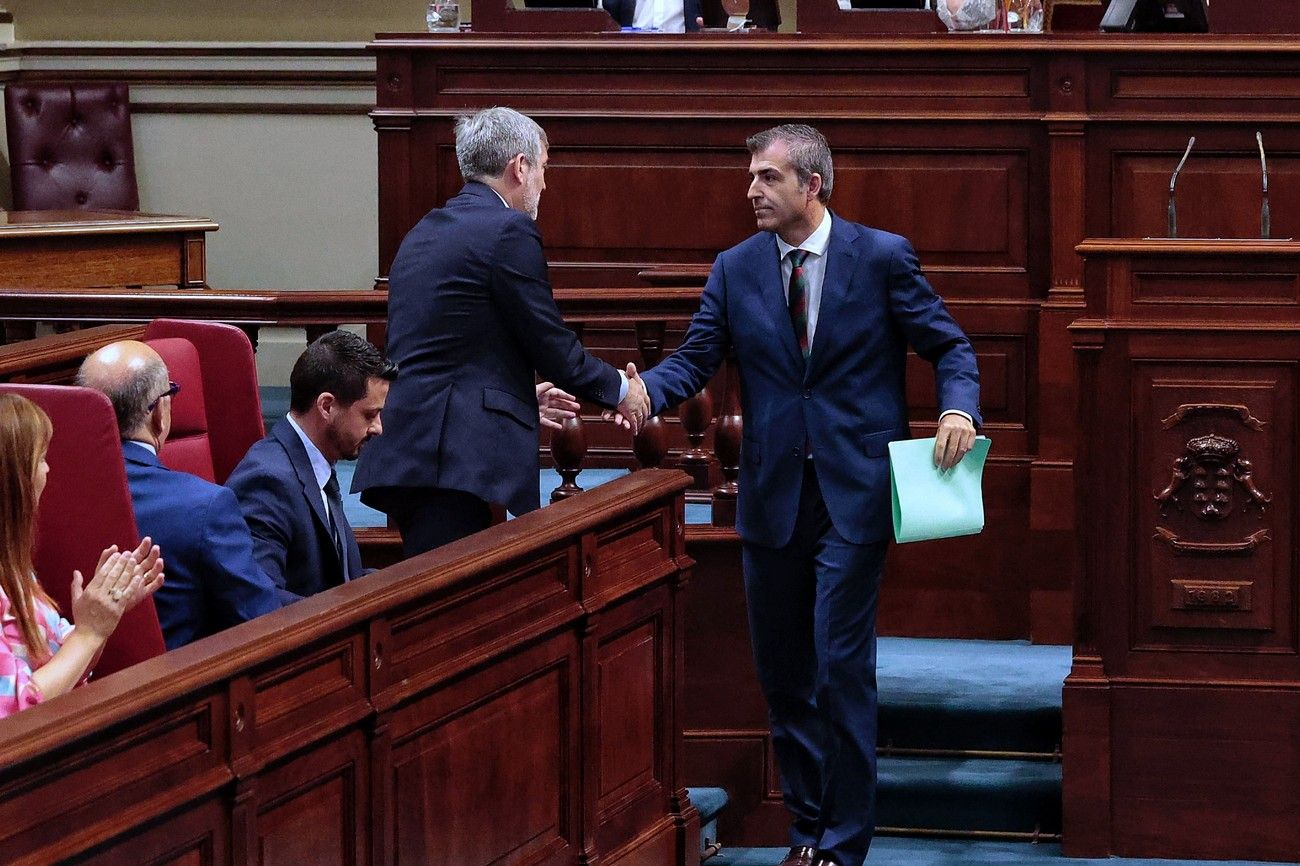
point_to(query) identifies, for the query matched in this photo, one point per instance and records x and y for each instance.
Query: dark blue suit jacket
(849, 403)
(471, 321)
(624, 12)
(212, 581)
(291, 535)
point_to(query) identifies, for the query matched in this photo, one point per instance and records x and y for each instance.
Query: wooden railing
(618, 324)
(511, 698)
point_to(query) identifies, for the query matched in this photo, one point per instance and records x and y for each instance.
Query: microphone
(1265, 219)
(1173, 179)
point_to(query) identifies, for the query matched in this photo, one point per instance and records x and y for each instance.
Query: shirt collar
(500, 196)
(320, 467)
(815, 243)
(147, 445)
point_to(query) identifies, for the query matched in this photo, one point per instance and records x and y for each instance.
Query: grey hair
(809, 153)
(132, 394)
(488, 140)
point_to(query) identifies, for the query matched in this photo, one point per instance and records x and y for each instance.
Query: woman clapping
(42, 655)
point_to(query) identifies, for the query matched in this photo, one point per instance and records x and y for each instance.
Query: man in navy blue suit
(213, 582)
(286, 483)
(471, 322)
(820, 312)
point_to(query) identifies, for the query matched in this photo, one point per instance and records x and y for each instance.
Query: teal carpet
(887, 851)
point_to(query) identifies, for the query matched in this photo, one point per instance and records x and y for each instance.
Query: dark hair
(340, 363)
(809, 153)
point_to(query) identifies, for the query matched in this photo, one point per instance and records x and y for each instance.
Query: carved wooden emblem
(1210, 478)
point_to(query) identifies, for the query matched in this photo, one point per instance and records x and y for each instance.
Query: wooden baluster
(651, 445)
(726, 444)
(696, 414)
(569, 447)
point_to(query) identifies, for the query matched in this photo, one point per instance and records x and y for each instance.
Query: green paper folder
(930, 504)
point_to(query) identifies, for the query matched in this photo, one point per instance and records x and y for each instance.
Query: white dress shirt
(814, 270)
(663, 15)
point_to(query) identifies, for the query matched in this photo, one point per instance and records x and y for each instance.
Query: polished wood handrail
(342, 682)
(236, 306)
(456, 566)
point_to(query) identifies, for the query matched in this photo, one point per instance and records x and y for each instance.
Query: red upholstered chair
(218, 409)
(70, 146)
(85, 508)
(188, 447)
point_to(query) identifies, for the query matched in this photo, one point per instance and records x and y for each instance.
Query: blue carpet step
(946, 852)
(970, 695)
(709, 802)
(968, 795)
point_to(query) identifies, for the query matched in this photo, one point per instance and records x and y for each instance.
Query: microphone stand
(1173, 179)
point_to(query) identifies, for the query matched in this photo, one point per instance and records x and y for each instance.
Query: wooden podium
(1183, 704)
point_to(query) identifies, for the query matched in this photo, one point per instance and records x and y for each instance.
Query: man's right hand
(634, 411)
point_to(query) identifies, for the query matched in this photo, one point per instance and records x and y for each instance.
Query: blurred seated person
(213, 580)
(286, 484)
(967, 14)
(674, 16)
(42, 655)
(665, 16)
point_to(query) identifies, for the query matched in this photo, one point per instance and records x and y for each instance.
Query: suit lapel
(292, 445)
(774, 302)
(841, 260)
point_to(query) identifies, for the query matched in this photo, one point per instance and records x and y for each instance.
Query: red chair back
(227, 371)
(70, 146)
(188, 447)
(85, 508)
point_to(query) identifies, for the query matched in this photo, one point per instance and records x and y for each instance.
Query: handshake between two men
(554, 405)
(954, 437)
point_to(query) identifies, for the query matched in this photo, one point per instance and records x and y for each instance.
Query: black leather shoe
(800, 855)
(824, 860)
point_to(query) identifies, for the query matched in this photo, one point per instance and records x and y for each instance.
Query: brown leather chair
(70, 146)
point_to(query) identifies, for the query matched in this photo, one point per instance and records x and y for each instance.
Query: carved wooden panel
(300, 701)
(448, 634)
(170, 761)
(637, 552)
(312, 809)
(634, 661)
(460, 765)
(1214, 530)
(197, 836)
(1188, 762)
(629, 695)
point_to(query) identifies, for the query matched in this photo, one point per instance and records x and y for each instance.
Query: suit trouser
(430, 517)
(812, 619)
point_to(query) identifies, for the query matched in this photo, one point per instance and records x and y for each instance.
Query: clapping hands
(634, 411)
(122, 579)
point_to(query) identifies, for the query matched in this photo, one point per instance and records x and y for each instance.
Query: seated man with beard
(286, 484)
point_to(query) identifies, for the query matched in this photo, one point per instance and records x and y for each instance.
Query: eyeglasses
(173, 388)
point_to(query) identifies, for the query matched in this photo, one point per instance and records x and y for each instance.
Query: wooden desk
(1183, 702)
(92, 249)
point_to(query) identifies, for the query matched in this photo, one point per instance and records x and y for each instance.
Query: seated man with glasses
(213, 580)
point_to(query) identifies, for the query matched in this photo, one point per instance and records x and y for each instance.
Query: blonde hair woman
(41, 654)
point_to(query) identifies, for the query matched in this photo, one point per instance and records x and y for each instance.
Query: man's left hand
(554, 405)
(953, 441)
